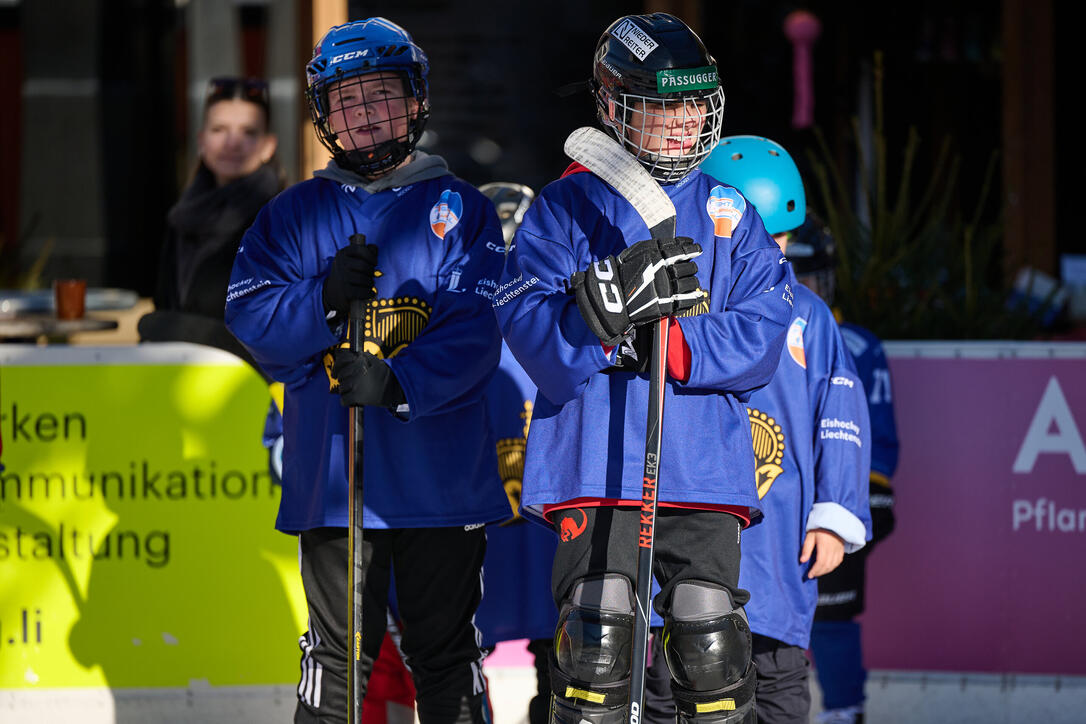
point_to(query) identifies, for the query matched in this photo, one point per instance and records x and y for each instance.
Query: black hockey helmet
(811, 250)
(649, 70)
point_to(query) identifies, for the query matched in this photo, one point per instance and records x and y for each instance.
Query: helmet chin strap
(368, 162)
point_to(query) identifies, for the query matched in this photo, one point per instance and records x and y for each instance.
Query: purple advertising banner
(986, 568)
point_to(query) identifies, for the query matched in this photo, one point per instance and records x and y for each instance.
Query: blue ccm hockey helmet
(766, 174)
(354, 49)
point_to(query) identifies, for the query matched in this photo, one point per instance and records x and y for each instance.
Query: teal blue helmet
(766, 174)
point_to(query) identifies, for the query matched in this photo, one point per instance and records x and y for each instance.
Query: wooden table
(32, 326)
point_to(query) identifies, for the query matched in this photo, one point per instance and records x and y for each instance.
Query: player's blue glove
(365, 379)
(349, 277)
(648, 280)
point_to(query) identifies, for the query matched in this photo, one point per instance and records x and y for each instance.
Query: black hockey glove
(350, 277)
(634, 352)
(365, 379)
(648, 280)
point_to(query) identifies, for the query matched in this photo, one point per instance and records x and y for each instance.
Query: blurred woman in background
(236, 174)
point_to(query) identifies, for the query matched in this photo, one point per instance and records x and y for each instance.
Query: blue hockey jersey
(588, 429)
(812, 445)
(440, 250)
(812, 449)
(874, 372)
(517, 602)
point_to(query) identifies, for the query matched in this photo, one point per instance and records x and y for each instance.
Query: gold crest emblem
(392, 323)
(511, 458)
(527, 416)
(768, 449)
(511, 463)
(511, 449)
(389, 326)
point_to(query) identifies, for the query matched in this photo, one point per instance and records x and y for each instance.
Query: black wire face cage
(822, 282)
(669, 136)
(371, 122)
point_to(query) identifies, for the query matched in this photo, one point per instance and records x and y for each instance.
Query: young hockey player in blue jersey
(812, 449)
(429, 266)
(835, 636)
(657, 92)
(516, 573)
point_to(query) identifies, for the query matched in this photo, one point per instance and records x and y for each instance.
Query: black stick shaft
(647, 532)
(355, 572)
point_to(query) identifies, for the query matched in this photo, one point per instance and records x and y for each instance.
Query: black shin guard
(730, 705)
(707, 644)
(590, 659)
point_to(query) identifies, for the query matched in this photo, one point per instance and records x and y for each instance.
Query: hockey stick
(355, 574)
(601, 155)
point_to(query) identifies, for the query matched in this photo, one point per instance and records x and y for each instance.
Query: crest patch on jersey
(389, 326)
(725, 207)
(633, 37)
(511, 458)
(446, 213)
(768, 449)
(795, 341)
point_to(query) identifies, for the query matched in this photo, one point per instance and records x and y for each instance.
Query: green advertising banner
(137, 546)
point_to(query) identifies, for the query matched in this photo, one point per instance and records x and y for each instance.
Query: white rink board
(893, 697)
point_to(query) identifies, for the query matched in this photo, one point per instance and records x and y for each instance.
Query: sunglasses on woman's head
(253, 90)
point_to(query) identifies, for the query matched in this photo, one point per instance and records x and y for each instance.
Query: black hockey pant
(438, 588)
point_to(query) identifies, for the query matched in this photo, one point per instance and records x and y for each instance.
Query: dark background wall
(496, 67)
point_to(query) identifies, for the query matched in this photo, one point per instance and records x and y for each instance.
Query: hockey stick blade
(603, 156)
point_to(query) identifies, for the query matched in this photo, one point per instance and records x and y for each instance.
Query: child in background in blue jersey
(517, 604)
(584, 343)
(426, 272)
(835, 636)
(812, 445)
(835, 640)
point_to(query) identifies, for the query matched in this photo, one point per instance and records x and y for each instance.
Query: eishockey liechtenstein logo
(446, 213)
(794, 340)
(725, 207)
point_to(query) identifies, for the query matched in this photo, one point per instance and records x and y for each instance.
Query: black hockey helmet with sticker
(647, 71)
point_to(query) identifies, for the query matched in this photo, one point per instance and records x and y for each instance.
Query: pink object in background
(511, 653)
(802, 28)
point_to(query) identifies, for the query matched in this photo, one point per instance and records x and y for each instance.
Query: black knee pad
(590, 660)
(707, 645)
